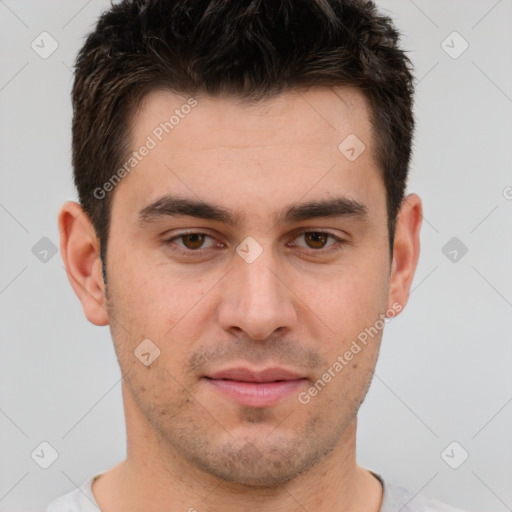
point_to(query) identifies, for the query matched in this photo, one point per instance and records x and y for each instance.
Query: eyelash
(198, 252)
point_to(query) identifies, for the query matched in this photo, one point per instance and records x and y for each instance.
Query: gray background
(444, 373)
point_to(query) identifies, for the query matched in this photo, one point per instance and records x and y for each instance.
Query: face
(258, 298)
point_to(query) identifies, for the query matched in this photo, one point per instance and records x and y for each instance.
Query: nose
(256, 298)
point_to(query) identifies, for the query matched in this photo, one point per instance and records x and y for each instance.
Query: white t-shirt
(394, 499)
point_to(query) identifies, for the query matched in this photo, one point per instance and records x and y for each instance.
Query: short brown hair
(248, 49)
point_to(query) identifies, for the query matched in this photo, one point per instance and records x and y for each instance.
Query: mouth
(263, 388)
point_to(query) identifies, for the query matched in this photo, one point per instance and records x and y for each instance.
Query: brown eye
(193, 240)
(190, 243)
(316, 240)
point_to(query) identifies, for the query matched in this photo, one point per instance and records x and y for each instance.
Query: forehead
(318, 114)
(275, 151)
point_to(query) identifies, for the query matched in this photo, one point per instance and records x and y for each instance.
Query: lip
(262, 388)
(266, 375)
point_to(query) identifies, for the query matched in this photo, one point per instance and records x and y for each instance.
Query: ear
(406, 250)
(79, 247)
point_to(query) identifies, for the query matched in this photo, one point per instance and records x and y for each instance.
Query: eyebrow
(170, 206)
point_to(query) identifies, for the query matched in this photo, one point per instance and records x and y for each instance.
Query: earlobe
(406, 250)
(79, 247)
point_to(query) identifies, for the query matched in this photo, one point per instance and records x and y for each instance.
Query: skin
(188, 445)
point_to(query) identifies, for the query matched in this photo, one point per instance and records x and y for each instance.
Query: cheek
(158, 393)
(154, 296)
(156, 305)
(352, 299)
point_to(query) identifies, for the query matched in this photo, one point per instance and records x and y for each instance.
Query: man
(242, 229)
